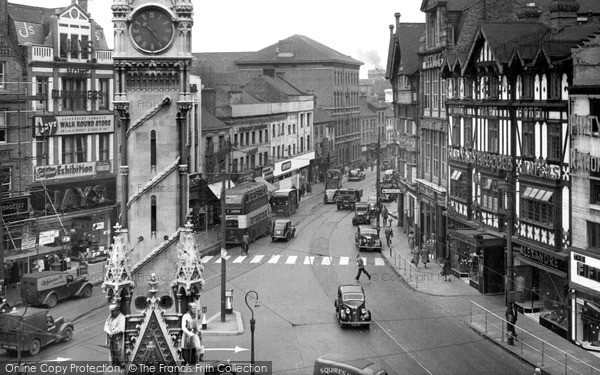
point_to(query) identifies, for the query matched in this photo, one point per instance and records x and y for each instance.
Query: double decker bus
(284, 202)
(246, 209)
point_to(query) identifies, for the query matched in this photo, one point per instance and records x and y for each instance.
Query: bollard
(229, 301)
(204, 322)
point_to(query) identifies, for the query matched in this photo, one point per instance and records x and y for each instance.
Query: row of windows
(434, 90)
(75, 149)
(341, 99)
(74, 47)
(434, 155)
(250, 162)
(341, 78)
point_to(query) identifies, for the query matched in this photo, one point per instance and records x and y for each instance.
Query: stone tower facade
(152, 57)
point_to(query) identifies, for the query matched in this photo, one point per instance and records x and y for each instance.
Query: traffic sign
(391, 191)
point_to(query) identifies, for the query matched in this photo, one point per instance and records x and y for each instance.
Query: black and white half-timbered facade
(509, 154)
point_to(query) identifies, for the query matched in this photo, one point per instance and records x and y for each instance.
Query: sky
(350, 27)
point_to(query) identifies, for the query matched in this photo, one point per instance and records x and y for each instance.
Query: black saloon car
(361, 214)
(350, 306)
(283, 229)
(367, 238)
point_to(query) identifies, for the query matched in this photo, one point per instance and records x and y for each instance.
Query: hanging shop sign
(48, 126)
(14, 206)
(75, 196)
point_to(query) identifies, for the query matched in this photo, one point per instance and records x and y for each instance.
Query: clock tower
(152, 57)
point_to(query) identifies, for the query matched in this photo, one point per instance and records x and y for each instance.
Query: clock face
(152, 29)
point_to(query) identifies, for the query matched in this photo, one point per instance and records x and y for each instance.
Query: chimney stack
(4, 14)
(563, 13)
(397, 15)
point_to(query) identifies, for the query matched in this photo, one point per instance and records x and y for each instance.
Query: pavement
(534, 344)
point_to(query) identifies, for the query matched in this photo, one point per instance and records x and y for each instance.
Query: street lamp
(252, 322)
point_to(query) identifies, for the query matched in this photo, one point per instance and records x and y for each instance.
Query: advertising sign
(16, 205)
(585, 270)
(28, 243)
(48, 236)
(50, 172)
(48, 126)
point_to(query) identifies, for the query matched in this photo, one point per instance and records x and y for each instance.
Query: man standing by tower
(114, 328)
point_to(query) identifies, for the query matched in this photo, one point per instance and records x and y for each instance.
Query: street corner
(232, 326)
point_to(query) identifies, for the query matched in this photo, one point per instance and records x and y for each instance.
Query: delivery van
(48, 287)
(335, 363)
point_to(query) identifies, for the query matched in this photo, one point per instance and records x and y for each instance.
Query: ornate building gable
(118, 282)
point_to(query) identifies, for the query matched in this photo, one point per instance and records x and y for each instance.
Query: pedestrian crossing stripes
(294, 259)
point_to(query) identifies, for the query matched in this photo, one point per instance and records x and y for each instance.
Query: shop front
(292, 173)
(479, 257)
(432, 222)
(584, 303)
(541, 284)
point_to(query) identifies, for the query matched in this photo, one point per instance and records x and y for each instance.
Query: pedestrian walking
(388, 235)
(416, 257)
(446, 269)
(361, 267)
(308, 188)
(411, 241)
(245, 243)
(384, 214)
(511, 320)
(114, 327)
(321, 178)
(425, 255)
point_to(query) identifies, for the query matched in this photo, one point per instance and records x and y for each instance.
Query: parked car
(336, 363)
(356, 175)
(367, 238)
(330, 196)
(350, 306)
(48, 287)
(283, 229)
(361, 214)
(33, 329)
(347, 197)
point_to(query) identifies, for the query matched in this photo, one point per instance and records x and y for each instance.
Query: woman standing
(425, 255)
(447, 268)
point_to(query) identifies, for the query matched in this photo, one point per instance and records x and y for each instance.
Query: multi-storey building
(68, 169)
(403, 69)
(324, 135)
(584, 259)
(323, 72)
(372, 128)
(510, 156)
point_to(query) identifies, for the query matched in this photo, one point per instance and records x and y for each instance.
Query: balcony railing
(104, 56)
(41, 53)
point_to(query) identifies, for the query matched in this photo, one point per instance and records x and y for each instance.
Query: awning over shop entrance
(216, 187)
(271, 187)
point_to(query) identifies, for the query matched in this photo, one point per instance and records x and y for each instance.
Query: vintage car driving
(283, 229)
(347, 197)
(330, 196)
(361, 214)
(367, 238)
(350, 306)
(356, 175)
(33, 328)
(48, 287)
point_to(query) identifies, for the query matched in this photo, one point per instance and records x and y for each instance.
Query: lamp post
(252, 323)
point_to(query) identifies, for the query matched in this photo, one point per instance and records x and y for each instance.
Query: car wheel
(272, 239)
(34, 347)
(369, 326)
(87, 291)
(67, 334)
(288, 236)
(340, 323)
(52, 301)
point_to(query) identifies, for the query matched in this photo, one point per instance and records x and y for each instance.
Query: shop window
(528, 139)
(554, 142)
(153, 148)
(587, 321)
(153, 211)
(537, 205)
(74, 149)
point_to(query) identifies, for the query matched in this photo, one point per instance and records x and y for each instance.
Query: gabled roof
(210, 123)
(297, 49)
(271, 89)
(451, 5)
(321, 116)
(408, 40)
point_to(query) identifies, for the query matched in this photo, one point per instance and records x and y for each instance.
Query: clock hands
(144, 24)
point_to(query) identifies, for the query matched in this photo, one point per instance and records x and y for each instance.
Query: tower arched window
(153, 148)
(153, 213)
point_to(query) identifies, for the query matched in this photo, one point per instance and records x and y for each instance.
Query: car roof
(362, 204)
(282, 221)
(361, 227)
(347, 189)
(351, 289)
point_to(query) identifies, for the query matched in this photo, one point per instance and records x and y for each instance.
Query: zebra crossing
(293, 260)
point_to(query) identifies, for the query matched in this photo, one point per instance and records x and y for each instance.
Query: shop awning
(537, 194)
(271, 187)
(216, 187)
